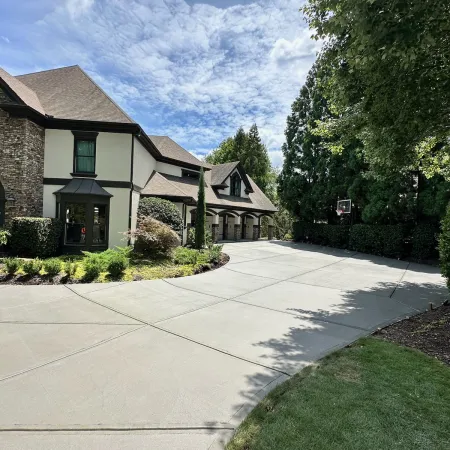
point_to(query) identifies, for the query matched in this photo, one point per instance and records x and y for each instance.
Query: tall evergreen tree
(248, 149)
(201, 213)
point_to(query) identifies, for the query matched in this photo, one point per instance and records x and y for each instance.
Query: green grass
(374, 395)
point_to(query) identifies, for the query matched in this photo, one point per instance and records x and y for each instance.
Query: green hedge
(35, 236)
(424, 241)
(162, 210)
(384, 240)
(322, 234)
(444, 247)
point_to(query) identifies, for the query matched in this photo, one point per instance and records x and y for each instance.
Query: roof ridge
(46, 70)
(104, 93)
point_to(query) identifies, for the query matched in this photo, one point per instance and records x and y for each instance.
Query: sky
(192, 70)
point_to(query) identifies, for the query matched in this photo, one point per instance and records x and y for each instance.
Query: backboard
(344, 207)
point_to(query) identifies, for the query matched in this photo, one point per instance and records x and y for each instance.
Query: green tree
(248, 149)
(389, 78)
(201, 213)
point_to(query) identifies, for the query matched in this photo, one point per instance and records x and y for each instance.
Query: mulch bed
(428, 332)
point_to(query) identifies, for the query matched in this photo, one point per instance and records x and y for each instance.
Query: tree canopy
(248, 149)
(388, 79)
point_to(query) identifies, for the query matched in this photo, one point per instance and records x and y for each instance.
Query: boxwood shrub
(35, 236)
(162, 210)
(384, 240)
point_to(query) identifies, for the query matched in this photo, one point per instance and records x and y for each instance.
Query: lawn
(373, 395)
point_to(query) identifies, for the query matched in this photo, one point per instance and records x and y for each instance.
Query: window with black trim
(190, 174)
(235, 185)
(84, 153)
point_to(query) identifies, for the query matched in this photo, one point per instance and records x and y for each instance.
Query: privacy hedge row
(322, 234)
(35, 236)
(386, 240)
(444, 247)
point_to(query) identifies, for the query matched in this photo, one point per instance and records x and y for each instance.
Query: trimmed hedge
(384, 240)
(162, 210)
(35, 236)
(424, 241)
(444, 247)
(322, 234)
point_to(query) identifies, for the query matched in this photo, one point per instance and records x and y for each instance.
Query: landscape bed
(73, 268)
(373, 394)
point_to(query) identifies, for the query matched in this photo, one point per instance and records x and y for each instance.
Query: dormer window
(84, 153)
(235, 187)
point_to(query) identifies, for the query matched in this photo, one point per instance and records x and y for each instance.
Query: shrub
(322, 234)
(35, 236)
(117, 264)
(424, 241)
(385, 240)
(70, 268)
(214, 254)
(162, 210)
(154, 238)
(32, 267)
(12, 265)
(191, 238)
(4, 236)
(444, 246)
(93, 264)
(184, 256)
(52, 266)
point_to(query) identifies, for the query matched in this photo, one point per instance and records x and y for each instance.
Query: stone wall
(21, 165)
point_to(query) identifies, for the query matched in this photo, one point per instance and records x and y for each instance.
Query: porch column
(215, 228)
(237, 228)
(256, 228)
(270, 229)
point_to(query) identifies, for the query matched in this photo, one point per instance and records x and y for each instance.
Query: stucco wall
(118, 216)
(134, 207)
(168, 168)
(113, 155)
(144, 164)
(49, 209)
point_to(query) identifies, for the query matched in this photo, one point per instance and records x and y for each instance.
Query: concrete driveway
(176, 364)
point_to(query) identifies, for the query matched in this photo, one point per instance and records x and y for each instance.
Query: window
(99, 230)
(190, 174)
(235, 188)
(75, 233)
(84, 153)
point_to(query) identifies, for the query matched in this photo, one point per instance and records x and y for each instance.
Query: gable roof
(220, 172)
(69, 93)
(171, 186)
(20, 90)
(170, 149)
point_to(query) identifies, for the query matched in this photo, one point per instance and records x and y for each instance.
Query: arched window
(235, 188)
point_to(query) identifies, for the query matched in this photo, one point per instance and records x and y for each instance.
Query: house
(67, 150)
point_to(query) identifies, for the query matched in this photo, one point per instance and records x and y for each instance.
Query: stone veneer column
(255, 232)
(215, 228)
(237, 228)
(21, 165)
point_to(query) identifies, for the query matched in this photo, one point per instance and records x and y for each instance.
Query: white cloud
(194, 72)
(4, 38)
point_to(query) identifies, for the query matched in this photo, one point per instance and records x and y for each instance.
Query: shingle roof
(170, 149)
(69, 93)
(163, 185)
(83, 186)
(22, 91)
(220, 172)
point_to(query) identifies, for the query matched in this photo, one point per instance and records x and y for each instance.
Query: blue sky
(193, 71)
